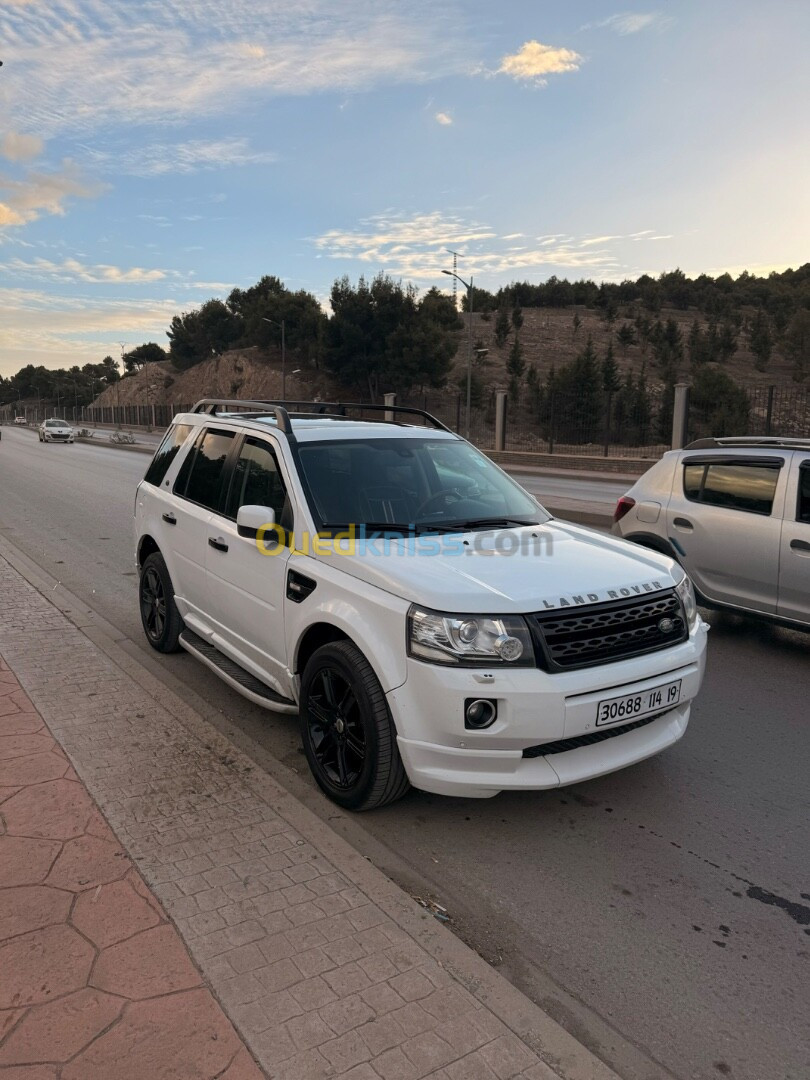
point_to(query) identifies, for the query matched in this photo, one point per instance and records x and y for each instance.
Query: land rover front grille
(602, 633)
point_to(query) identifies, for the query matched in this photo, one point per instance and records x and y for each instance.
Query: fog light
(480, 713)
(508, 648)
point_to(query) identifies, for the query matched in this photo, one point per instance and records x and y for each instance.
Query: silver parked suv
(736, 514)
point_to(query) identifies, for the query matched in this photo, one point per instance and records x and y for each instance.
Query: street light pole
(469, 287)
(274, 322)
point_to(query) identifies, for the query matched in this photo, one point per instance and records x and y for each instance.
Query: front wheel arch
(357, 714)
(654, 543)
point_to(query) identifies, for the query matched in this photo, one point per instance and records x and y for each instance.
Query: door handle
(682, 523)
(218, 543)
(170, 519)
(800, 545)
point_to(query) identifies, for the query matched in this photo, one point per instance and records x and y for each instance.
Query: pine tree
(626, 337)
(761, 340)
(517, 316)
(515, 366)
(502, 327)
(515, 362)
(576, 324)
(696, 345)
(578, 397)
(534, 388)
(727, 342)
(610, 370)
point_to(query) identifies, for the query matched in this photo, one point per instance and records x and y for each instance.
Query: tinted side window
(256, 480)
(692, 480)
(206, 469)
(750, 488)
(166, 453)
(803, 509)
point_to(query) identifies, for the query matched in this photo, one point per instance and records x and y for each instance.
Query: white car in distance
(55, 430)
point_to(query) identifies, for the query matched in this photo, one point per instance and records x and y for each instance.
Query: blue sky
(154, 153)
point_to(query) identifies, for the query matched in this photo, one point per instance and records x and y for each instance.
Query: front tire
(347, 730)
(161, 620)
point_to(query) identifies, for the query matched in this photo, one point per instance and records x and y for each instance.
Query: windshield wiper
(487, 523)
(376, 527)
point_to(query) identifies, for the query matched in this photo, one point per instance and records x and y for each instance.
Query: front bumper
(534, 707)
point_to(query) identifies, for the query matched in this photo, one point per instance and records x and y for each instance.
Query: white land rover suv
(428, 620)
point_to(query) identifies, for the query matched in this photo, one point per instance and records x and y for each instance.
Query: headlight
(469, 640)
(687, 594)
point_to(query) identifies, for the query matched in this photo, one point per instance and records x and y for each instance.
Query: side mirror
(249, 519)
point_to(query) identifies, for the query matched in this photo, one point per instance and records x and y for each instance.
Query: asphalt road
(662, 913)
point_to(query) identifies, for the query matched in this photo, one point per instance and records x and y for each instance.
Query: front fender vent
(299, 586)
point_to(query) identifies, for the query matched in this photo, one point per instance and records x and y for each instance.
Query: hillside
(547, 336)
(240, 373)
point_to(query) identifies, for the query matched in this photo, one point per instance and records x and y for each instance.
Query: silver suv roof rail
(337, 410)
(749, 440)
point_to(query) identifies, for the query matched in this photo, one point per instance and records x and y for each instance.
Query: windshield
(419, 484)
(55, 423)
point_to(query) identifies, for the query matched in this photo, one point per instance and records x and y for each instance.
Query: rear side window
(744, 486)
(206, 464)
(166, 453)
(256, 480)
(803, 508)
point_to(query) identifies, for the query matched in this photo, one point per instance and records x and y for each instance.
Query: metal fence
(152, 417)
(633, 422)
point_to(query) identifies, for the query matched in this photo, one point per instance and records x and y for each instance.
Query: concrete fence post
(680, 416)
(389, 399)
(500, 420)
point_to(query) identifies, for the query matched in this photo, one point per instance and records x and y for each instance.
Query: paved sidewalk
(325, 967)
(94, 980)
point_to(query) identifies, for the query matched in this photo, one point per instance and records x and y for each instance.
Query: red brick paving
(95, 982)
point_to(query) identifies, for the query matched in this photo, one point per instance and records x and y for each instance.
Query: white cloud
(390, 236)
(598, 240)
(40, 328)
(71, 270)
(180, 61)
(194, 155)
(415, 248)
(631, 22)
(533, 61)
(444, 119)
(17, 147)
(24, 200)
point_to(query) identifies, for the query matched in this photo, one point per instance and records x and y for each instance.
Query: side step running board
(235, 675)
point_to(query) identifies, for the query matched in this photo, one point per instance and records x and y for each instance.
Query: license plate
(633, 706)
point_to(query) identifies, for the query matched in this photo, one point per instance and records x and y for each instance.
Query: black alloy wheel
(336, 730)
(159, 615)
(347, 730)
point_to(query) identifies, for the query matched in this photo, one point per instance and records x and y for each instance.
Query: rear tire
(347, 731)
(161, 620)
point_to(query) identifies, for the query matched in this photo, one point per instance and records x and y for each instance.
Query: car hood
(532, 568)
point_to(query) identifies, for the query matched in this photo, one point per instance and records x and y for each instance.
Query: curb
(555, 1046)
(132, 447)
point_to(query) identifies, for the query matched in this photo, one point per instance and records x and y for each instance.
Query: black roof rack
(749, 441)
(213, 406)
(311, 409)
